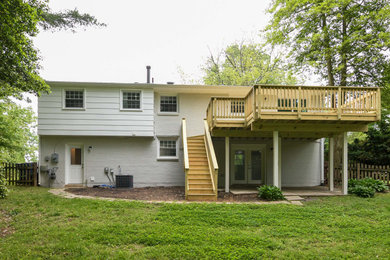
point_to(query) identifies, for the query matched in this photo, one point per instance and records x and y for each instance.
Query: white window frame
(167, 138)
(73, 89)
(162, 113)
(131, 109)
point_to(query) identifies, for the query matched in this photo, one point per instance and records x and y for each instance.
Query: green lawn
(46, 226)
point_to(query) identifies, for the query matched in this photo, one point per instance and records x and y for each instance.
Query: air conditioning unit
(124, 181)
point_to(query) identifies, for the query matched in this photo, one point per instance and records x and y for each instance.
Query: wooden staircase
(200, 186)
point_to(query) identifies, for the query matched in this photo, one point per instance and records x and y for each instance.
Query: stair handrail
(185, 153)
(213, 164)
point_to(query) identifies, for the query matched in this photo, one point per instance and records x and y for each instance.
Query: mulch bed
(154, 193)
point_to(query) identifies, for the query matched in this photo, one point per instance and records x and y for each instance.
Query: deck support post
(276, 158)
(227, 163)
(331, 163)
(345, 164)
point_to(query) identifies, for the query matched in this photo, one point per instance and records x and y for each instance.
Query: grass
(42, 225)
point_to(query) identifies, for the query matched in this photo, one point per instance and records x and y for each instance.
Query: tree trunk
(328, 57)
(338, 144)
(343, 50)
(338, 139)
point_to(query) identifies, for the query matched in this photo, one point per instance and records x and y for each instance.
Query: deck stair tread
(199, 179)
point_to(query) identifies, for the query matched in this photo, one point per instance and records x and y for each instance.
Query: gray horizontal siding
(101, 117)
(96, 133)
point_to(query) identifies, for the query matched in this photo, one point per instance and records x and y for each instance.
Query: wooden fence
(361, 171)
(24, 174)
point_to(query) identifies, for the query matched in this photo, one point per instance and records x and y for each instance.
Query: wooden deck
(295, 109)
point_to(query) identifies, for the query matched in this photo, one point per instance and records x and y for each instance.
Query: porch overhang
(291, 129)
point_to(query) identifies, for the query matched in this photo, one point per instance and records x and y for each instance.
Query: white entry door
(75, 164)
(248, 164)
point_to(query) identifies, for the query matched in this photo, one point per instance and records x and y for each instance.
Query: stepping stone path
(294, 198)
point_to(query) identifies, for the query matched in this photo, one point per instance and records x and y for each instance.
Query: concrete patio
(317, 191)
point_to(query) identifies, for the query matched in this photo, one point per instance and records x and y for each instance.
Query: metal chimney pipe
(148, 74)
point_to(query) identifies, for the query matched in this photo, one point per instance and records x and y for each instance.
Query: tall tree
(20, 21)
(245, 65)
(346, 42)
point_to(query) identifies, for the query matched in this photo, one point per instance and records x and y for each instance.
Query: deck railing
(185, 152)
(212, 159)
(297, 102)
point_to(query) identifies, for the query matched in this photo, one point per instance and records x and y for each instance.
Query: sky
(169, 35)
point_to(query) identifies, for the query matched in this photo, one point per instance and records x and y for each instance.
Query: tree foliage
(20, 21)
(19, 59)
(346, 42)
(375, 149)
(68, 19)
(245, 65)
(17, 142)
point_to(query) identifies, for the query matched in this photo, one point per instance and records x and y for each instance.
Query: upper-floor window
(168, 104)
(74, 98)
(131, 100)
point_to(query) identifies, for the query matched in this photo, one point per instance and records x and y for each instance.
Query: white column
(345, 164)
(227, 164)
(322, 177)
(331, 163)
(275, 159)
(280, 162)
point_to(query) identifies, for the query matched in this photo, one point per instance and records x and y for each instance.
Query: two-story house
(222, 135)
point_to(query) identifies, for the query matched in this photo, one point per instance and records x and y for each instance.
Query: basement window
(74, 99)
(167, 148)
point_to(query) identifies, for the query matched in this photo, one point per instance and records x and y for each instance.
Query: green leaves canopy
(19, 69)
(19, 59)
(17, 141)
(346, 42)
(245, 65)
(375, 149)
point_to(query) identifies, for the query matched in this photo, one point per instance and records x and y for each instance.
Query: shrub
(3, 188)
(352, 183)
(366, 187)
(377, 185)
(270, 193)
(363, 191)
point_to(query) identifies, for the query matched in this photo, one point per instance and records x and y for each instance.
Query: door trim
(67, 161)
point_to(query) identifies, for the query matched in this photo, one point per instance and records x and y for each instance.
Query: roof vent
(170, 82)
